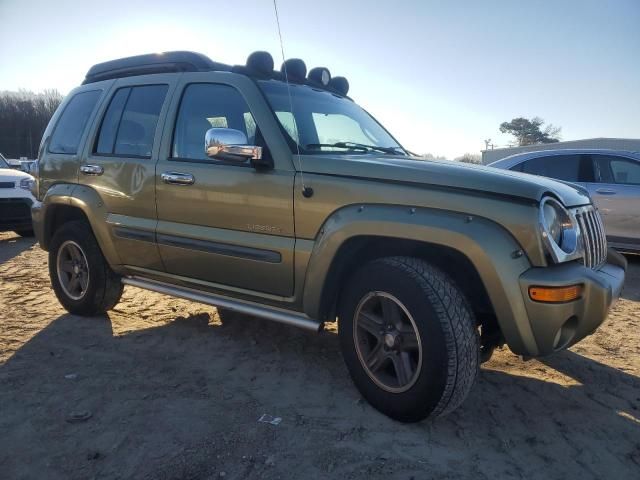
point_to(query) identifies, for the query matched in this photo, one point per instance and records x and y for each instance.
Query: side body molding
(487, 245)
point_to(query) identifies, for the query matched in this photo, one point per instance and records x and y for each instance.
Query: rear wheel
(81, 278)
(408, 338)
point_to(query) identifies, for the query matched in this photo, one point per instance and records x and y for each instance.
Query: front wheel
(408, 338)
(80, 276)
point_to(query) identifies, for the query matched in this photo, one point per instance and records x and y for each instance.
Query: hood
(11, 175)
(446, 174)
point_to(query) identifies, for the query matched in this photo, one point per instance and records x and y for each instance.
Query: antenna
(306, 191)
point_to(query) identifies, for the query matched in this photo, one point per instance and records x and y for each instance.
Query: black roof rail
(153, 63)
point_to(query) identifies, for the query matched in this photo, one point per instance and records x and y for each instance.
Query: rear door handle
(605, 191)
(91, 169)
(177, 178)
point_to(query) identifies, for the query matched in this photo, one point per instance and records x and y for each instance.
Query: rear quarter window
(625, 171)
(618, 170)
(72, 123)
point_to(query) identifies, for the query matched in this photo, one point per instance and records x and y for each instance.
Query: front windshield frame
(299, 147)
(3, 162)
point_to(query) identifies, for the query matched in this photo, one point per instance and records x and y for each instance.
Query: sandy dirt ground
(166, 389)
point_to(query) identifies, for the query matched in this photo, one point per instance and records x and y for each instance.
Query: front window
(323, 122)
(3, 162)
(205, 106)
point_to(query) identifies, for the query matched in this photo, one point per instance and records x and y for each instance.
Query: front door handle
(605, 191)
(177, 178)
(91, 169)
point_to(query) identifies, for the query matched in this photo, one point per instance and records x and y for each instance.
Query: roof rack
(153, 63)
(258, 65)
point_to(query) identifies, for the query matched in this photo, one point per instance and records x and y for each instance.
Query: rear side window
(618, 170)
(206, 106)
(74, 118)
(570, 168)
(110, 122)
(129, 125)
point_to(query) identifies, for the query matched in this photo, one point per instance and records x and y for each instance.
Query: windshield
(324, 122)
(3, 162)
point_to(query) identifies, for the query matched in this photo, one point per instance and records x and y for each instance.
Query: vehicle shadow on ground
(591, 374)
(12, 245)
(182, 400)
(631, 289)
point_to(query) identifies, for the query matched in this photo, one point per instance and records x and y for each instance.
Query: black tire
(104, 287)
(28, 232)
(447, 334)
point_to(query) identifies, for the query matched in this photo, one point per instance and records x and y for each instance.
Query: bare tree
(431, 156)
(469, 158)
(24, 116)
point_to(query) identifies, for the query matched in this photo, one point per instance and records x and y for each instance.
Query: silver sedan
(612, 178)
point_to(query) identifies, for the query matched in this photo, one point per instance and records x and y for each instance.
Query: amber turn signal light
(555, 294)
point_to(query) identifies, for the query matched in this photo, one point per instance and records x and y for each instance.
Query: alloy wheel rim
(387, 342)
(73, 270)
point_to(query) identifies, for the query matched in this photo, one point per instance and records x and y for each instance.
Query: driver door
(225, 224)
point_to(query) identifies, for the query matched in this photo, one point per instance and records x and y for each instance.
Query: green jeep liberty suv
(273, 194)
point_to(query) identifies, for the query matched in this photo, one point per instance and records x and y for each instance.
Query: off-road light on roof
(340, 85)
(320, 75)
(261, 63)
(296, 70)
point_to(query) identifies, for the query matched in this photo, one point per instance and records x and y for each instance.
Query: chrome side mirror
(230, 145)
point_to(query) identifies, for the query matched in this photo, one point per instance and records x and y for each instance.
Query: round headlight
(552, 223)
(559, 229)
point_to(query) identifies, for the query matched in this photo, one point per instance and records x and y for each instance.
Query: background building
(629, 144)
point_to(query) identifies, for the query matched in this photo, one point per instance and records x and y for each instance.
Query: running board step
(270, 313)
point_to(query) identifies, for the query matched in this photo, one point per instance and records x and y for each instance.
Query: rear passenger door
(119, 165)
(617, 195)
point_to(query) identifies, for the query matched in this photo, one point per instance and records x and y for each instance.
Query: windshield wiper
(355, 146)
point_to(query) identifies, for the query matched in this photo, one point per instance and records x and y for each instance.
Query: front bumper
(556, 326)
(15, 214)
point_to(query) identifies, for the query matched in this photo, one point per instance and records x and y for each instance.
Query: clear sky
(440, 75)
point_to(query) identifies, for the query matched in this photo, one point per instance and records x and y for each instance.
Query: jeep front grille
(593, 236)
(7, 185)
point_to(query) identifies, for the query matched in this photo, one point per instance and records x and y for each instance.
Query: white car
(15, 200)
